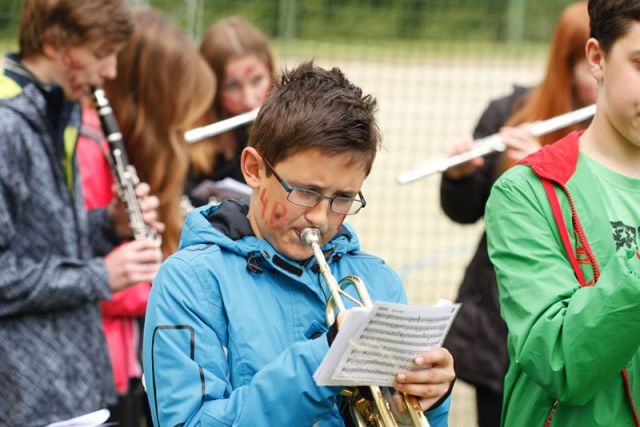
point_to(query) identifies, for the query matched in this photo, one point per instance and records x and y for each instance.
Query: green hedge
(386, 19)
(362, 20)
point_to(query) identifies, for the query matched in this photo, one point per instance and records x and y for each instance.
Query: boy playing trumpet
(235, 324)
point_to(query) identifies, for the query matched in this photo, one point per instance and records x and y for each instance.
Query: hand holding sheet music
(374, 345)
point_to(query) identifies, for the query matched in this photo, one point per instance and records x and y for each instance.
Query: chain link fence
(433, 65)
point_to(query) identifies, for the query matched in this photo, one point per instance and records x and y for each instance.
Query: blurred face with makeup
(239, 55)
(246, 82)
(78, 68)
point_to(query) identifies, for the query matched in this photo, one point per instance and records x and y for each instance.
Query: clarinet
(124, 172)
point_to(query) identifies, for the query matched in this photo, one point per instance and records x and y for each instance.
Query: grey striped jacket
(54, 362)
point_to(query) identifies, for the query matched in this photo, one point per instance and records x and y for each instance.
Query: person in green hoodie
(563, 228)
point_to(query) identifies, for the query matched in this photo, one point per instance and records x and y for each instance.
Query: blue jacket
(54, 362)
(234, 331)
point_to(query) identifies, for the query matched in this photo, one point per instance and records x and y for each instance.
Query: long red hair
(556, 94)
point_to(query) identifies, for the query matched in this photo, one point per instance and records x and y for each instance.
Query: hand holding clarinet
(133, 213)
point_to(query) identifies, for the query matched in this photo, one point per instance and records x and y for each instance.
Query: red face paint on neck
(278, 212)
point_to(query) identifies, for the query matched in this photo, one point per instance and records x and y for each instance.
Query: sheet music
(376, 344)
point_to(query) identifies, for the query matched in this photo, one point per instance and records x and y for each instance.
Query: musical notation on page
(375, 344)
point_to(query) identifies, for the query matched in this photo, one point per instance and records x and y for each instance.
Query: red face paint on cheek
(231, 104)
(249, 71)
(274, 218)
(72, 63)
(278, 213)
(73, 68)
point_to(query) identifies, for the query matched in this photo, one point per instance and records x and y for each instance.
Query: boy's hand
(133, 262)
(148, 206)
(431, 383)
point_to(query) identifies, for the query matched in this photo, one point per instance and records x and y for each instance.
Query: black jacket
(478, 336)
(225, 168)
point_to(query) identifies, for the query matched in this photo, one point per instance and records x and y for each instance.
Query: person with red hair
(478, 337)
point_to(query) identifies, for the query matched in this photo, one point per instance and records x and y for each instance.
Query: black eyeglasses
(309, 198)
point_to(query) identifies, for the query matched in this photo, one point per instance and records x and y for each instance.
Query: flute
(124, 172)
(494, 143)
(213, 129)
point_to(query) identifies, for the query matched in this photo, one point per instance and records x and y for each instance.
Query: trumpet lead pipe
(213, 129)
(311, 237)
(493, 143)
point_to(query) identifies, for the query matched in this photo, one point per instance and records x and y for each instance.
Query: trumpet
(494, 143)
(371, 405)
(125, 173)
(213, 129)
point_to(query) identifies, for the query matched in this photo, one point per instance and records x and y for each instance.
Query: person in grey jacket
(54, 363)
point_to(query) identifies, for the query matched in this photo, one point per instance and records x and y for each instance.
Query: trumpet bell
(375, 406)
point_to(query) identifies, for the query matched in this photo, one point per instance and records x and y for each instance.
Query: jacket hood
(46, 100)
(556, 162)
(227, 226)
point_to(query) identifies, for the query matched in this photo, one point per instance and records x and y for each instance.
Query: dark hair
(314, 108)
(73, 23)
(611, 19)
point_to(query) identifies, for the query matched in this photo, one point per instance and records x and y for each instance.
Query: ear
(252, 166)
(49, 49)
(595, 58)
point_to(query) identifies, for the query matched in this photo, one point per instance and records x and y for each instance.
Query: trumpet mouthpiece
(310, 235)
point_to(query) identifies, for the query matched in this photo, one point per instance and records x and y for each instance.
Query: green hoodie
(566, 343)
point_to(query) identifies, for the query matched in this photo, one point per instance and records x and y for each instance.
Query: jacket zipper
(552, 411)
(576, 225)
(627, 390)
(596, 274)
